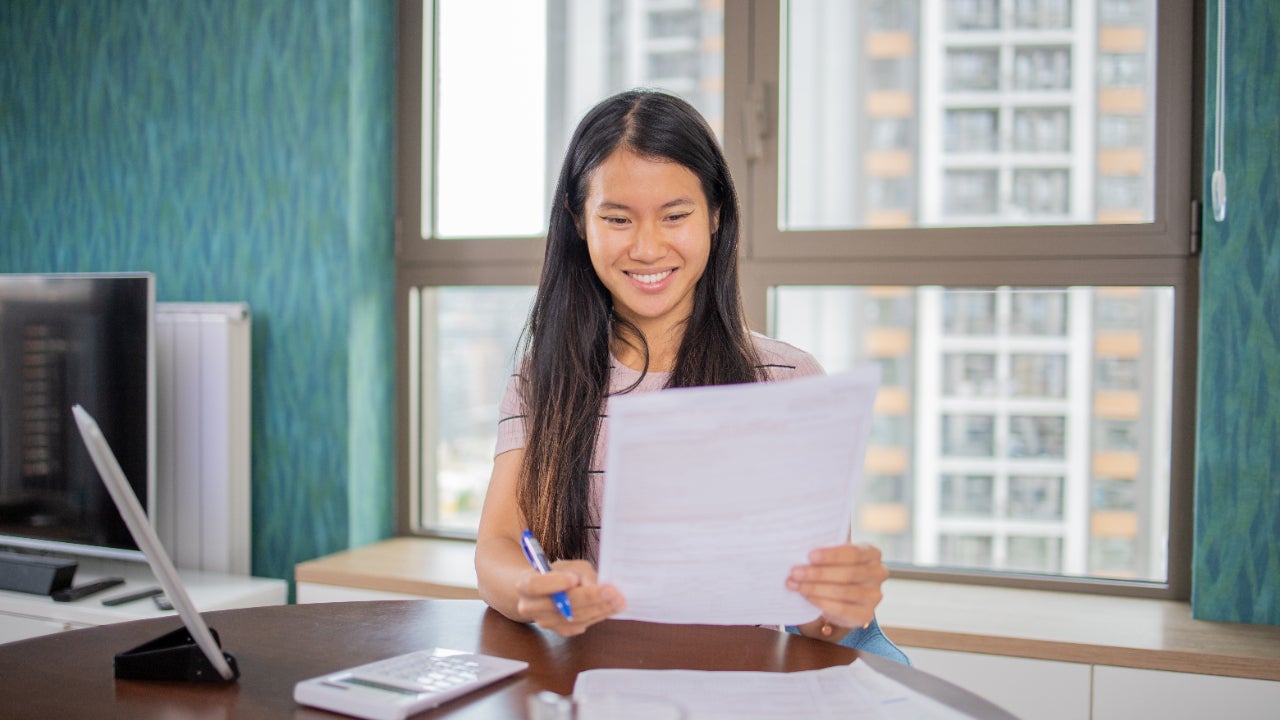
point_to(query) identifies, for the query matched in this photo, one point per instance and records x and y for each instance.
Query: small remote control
(83, 591)
(132, 597)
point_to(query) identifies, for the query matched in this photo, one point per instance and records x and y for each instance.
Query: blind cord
(1219, 182)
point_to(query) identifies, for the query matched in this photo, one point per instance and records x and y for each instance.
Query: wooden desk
(70, 674)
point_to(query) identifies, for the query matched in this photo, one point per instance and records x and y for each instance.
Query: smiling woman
(648, 229)
(630, 158)
(639, 292)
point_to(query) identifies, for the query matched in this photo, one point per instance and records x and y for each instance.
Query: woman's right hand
(589, 602)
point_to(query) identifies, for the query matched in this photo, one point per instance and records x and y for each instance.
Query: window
(1024, 405)
(1042, 375)
(973, 130)
(1042, 130)
(474, 331)
(974, 196)
(973, 69)
(1042, 14)
(968, 495)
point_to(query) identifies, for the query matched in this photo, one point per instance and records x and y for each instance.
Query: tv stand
(25, 615)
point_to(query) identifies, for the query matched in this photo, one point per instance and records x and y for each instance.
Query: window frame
(1163, 252)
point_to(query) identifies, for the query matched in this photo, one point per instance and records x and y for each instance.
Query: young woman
(639, 292)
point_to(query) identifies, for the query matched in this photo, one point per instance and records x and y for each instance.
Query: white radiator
(202, 509)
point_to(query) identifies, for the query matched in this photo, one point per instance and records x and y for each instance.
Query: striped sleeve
(511, 427)
(782, 361)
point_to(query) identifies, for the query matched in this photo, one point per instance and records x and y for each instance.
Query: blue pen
(538, 559)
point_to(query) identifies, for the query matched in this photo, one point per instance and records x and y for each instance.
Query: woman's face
(648, 231)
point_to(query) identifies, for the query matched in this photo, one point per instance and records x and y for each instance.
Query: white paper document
(834, 693)
(713, 494)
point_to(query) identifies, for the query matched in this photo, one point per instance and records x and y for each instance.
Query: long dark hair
(565, 368)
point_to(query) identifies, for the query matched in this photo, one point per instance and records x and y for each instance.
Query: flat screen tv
(67, 339)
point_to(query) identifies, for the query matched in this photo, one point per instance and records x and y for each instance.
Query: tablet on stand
(191, 652)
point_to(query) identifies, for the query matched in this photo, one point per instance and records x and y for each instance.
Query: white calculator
(397, 687)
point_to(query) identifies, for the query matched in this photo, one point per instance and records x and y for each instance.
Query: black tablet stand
(173, 656)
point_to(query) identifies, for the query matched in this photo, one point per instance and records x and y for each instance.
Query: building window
(1034, 312)
(1037, 436)
(1042, 130)
(1038, 375)
(1122, 70)
(1042, 192)
(968, 495)
(965, 550)
(1035, 497)
(969, 374)
(970, 69)
(1042, 14)
(973, 130)
(973, 15)
(972, 192)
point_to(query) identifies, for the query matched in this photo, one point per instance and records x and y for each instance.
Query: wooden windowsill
(1046, 625)
(417, 566)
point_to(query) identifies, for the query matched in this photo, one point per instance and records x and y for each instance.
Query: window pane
(1042, 14)
(489, 63)
(965, 550)
(967, 495)
(495, 171)
(1034, 554)
(1044, 130)
(968, 312)
(973, 15)
(973, 69)
(1034, 312)
(998, 113)
(1035, 498)
(1037, 436)
(968, 436)
(973, 130)
(1017, 429)
(468, 336)
(971, 192)
(968, 374)
(1038, 375)
(1042, 68)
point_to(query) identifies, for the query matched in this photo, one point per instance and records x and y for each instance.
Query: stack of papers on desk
(841, 692)
(713, 494)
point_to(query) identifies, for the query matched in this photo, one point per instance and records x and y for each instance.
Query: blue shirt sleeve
(869, 639)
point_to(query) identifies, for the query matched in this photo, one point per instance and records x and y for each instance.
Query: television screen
(67, 339)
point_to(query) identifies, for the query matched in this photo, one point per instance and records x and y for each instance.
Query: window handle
(755, 121)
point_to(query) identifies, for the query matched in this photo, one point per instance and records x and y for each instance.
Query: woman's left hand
(844, 583)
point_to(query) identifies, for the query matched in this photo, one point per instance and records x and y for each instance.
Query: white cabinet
(1125, 693)
(1030, 689)
(24, 615)
(1049, 690)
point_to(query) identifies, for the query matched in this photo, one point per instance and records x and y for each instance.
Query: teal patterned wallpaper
(240, 150)
(1236, 572)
